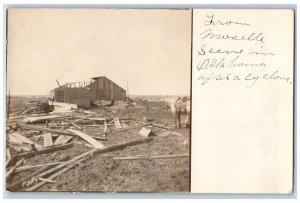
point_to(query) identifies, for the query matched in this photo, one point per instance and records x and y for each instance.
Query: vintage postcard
(98, 100)
(150, 100)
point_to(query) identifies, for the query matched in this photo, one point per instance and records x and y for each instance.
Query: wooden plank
(117, 123)
(75, 161)
(30, 127)
(40, 118)
(8, 156)
(97, 119)
(48, 140)
(25, 116)
(43, 151)
(21, 148)
(28, 167)
(10, 171)
(17, 184)
(13, 140)
(112, 121)
(76, 126)
(47, 180)
(25, 139)
(63, 139)
(152, 157)
(105, 128)
(145, 132)
(87, 138)
(100, 138)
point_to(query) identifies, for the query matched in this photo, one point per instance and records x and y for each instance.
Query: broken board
(23, 139)
(62, 139)
(39, 118)
(48, 140)
(14, 140)
(87, 138)
(117, 123)
(145, 132)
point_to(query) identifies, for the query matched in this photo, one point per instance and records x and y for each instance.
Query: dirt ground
(102, 173)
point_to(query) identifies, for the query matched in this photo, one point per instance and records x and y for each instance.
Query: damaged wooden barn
(87, 92)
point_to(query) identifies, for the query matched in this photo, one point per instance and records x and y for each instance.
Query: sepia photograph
(98, 100)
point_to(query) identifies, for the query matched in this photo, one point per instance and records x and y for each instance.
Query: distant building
(83, 93)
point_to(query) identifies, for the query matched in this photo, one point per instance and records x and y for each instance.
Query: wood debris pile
(33, 133)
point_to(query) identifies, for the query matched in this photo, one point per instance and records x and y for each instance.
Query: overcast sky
(151, 49)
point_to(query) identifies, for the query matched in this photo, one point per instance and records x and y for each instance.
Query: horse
(180, 106)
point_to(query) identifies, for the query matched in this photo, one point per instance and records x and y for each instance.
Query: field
(102, 172)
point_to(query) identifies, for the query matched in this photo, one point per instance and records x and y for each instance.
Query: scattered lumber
(30, 127)
(42, 151)
(87, 138)
(62, 139)
(40, 184)
(24, 139)
(40, 118)
(25, 116)
(21, 147)
(75, 161)
(76, 126)
(9, 173)
(28, 167)
(13, 140)
(17, 185)
(151, 157)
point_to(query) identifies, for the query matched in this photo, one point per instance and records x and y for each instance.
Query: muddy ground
(101, 173)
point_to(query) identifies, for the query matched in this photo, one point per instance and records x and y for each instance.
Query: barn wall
(105, 89)
(59, 94)
(79, 96)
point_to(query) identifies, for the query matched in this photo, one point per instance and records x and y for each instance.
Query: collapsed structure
(86, 92)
